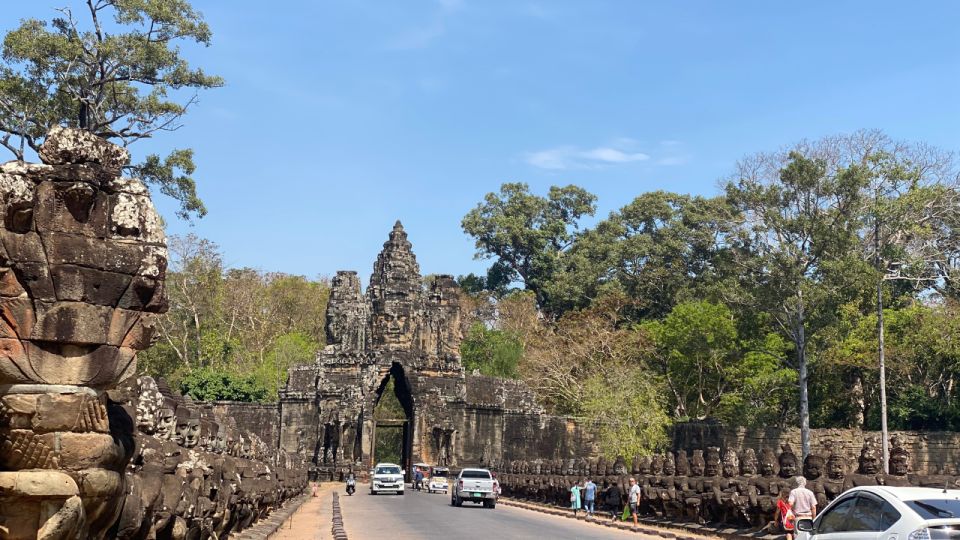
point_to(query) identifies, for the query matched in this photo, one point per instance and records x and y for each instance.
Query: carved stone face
(899, 464)
(731, 463)
(748, 466)
(869, 462)
(813, 467)
(669, 465)
(148, 405)
(768, 465)
(788, 465)
(183, 428)
(835, 470)
(166, 423)
(697, 466)
(89, 247)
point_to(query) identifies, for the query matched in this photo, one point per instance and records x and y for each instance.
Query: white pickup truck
(475, 485)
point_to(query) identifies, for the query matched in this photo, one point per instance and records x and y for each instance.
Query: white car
(475, 485)
(386, 477)
(887, 513)
(438, 480)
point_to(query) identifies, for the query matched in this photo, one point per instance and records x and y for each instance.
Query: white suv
(885, 512)
(386, 477)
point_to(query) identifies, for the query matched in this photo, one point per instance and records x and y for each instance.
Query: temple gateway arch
(404, 335)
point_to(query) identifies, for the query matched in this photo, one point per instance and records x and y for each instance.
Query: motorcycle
(351, 486)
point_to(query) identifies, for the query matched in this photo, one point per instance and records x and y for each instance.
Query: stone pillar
(82, 263)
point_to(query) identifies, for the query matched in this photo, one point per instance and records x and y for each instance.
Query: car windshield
(388, 470)
(475, 474)
(439, 474)
(935, 508)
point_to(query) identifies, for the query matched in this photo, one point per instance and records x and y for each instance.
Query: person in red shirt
(784, 515)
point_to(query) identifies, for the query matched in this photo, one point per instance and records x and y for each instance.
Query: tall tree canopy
(116, 71)
(526, 233)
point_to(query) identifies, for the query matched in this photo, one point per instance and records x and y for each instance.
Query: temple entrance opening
(393, 420)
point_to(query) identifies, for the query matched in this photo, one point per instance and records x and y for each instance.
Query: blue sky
(340, 117)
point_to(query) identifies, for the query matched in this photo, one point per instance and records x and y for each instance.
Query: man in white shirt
(634, 498)
(802, 500)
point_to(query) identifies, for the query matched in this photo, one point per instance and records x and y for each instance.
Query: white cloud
(572, 157)
(612, 155)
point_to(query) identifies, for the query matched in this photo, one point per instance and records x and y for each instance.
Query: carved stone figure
(83, 263)
(899, 464)
(868, 466)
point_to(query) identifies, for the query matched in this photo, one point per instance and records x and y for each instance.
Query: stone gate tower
(400, 329)
(407, 329)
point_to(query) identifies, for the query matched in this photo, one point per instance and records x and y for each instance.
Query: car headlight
(919, 534)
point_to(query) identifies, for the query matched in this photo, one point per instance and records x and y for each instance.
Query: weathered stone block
(9, 285)
(35, 280)
(89, 450)
(72, 207)
(17, 410)
(94, 366)
(64, 145)
(122, 257)
(80, 284)
(70, 412)
(19, 314)
(23, 247)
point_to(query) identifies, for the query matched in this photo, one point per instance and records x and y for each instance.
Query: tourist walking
(634, 499)
(614, 500)
(589, 496)
(784, 516)
(575, 497)
(802, 501)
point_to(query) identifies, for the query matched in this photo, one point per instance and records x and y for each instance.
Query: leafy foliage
(491, 352)
(208, 384)
(742, 306)
(120, 76)
(235, 321)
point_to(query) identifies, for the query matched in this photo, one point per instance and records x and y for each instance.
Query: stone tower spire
(395, 292)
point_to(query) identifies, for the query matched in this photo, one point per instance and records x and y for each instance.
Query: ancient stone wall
(262, 419)
(931, 452)
(731, 486)
(86, 452)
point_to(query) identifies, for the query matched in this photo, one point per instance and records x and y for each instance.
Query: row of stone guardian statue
(736, 488)
(194, 475)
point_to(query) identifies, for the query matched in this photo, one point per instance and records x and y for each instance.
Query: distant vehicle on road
(886, 512)
(386, 477)
(438, 480)
(475, 485)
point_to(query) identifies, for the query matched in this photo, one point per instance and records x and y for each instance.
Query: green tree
(659, 249)
(626, 408)
(696, 345)
(208, 384)
(527, 233)
(126, 81)
(800, 229)
(491, 351)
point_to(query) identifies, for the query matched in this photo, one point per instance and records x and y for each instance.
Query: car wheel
(459, 502)
(402, 492)
(493, 504)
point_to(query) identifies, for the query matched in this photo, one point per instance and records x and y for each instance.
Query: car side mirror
(804, 525)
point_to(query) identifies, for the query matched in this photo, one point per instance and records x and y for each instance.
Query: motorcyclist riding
(351, 483)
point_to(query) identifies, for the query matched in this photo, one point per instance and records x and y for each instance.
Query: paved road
(423, 515)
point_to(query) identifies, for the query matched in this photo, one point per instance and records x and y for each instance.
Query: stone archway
(393, 420)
